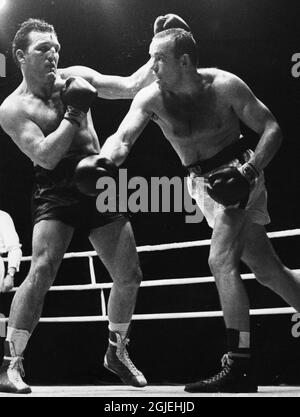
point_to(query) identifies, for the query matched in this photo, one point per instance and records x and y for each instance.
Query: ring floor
(149, 391)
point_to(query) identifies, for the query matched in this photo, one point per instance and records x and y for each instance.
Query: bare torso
(48, 114)
(201, 126)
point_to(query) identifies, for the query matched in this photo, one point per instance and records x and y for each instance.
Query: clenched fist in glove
(77, 94)
(90, 169)
(228, 186)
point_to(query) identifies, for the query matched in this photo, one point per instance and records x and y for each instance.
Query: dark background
(254, 39)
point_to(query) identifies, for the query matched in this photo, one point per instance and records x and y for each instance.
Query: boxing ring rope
(155, 283)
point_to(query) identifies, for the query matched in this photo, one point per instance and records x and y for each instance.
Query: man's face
(42, 54)
(165, 66)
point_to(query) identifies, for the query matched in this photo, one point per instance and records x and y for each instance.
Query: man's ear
(20, 55)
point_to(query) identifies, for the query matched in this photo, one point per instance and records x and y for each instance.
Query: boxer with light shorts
(199, 112)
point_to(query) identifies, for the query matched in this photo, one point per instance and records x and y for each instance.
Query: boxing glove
(89, 170)
(77, 94)
(229, 186)
(169, 21)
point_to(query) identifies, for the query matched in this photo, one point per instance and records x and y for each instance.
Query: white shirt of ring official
(9, 241)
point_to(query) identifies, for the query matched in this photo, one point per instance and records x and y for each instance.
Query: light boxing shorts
(234, 155)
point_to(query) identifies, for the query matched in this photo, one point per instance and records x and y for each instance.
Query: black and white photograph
(149, 210)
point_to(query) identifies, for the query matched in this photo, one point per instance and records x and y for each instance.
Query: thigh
(258, 253)
(116, 247)
(229, 234)
(50, 241)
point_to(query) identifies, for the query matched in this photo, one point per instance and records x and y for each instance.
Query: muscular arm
(113, 86)
(258, 118)
(45, 151)
(118, 146)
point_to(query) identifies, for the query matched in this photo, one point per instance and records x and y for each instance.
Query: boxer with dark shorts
(48, 117)
(199, 112)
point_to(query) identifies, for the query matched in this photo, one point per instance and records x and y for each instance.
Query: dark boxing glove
(89, 170)
(77, 94)
(231, 185)
(169, 21)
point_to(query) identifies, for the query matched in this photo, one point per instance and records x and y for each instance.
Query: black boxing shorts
(56, 197)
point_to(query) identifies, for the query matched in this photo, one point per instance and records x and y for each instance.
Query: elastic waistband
(230, 152)
(62, 172)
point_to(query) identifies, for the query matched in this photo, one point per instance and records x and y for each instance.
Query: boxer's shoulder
(217, 75)
(19, 101)
(15, 103)
(14, 111)
(11, 107)
(149, 95)
(224, 83)
(227, 80)
(15, 98)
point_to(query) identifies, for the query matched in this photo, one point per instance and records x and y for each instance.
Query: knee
(131, 279)
(135, 277)
(42, 275)
(220, 264)
(138, 275)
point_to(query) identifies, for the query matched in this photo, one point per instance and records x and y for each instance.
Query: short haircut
(21, 39)
(184, 43)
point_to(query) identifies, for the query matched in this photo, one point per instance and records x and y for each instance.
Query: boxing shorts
(56, 197)
(233, 155)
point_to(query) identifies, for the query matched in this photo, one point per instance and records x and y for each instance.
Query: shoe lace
(226, 360)
(126, 357)
(16, 365)
(226, 367)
